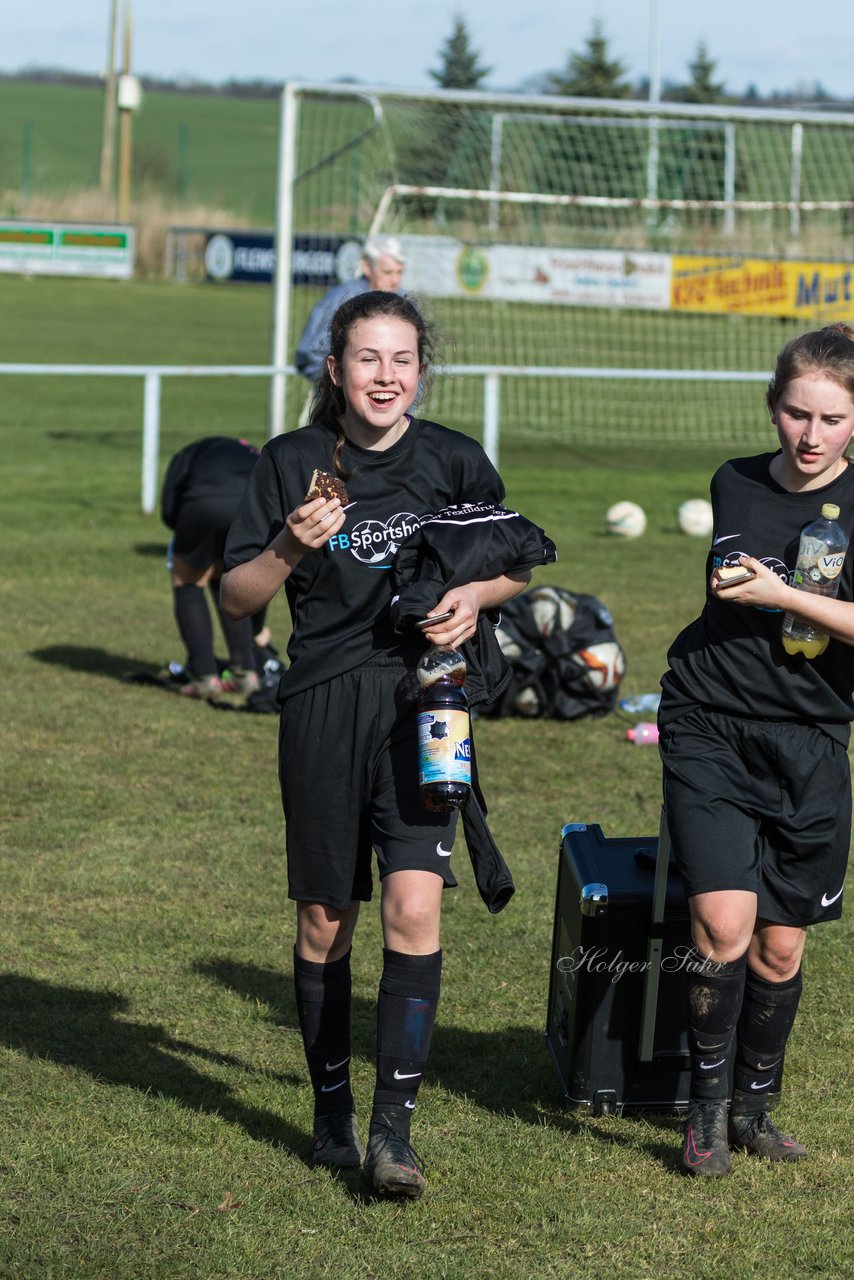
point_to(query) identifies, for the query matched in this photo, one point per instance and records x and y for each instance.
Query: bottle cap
(830, 511)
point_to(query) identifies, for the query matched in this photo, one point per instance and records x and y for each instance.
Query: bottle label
(817, 566)
(830, 566)
(444, 746)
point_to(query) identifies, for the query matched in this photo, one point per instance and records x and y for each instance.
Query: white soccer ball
(511, 649)
(550, 610)
(695, 517)
(604, 665)
(625, 519)
(527, 702)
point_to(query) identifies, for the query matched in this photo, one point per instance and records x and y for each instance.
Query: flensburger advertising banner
(66, 249)
(250, 257)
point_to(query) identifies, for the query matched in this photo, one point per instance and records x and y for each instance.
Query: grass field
(104, 322)
(156, 1114)
(207, 149)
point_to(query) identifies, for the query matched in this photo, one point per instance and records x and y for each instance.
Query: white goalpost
(582, 259)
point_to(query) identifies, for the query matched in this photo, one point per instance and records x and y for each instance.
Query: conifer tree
(592, 74)
(459, 65)
(702, 87)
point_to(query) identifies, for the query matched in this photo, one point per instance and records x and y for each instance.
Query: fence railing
(153, 375)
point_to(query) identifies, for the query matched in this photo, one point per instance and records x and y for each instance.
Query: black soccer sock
(196, 629)
(323, 1006)
(406, 1013)
(714, 993)
(767, 1017)
(238, 635)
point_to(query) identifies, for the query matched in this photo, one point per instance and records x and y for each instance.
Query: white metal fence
(153, 375)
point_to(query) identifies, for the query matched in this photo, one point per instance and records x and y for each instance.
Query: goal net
(630, 272)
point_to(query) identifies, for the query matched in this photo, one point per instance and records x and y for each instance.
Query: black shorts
(348, 768)
(202, 527)
(759, 805)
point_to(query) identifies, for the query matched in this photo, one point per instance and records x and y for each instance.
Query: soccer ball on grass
(625, 519)
(695, 517)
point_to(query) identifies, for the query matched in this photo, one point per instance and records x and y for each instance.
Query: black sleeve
(478, 481)
(261, 515)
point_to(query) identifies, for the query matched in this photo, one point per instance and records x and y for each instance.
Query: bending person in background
(381, 269)
(348, 747)
(201, 492)
(753, 740)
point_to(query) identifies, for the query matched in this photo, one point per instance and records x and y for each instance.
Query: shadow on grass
(98, 437)
(94, 661)
(506, 1072)
(76, 1027)
(157, 550)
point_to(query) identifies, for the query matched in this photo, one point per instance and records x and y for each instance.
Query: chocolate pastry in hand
(325, 485)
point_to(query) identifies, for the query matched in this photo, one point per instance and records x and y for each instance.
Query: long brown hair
(328, 403)
(829, 351)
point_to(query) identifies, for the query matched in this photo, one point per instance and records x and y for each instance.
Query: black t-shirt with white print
(339, 595)
(731, 659)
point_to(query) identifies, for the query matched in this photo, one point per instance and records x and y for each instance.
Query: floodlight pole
(286, 168)
(654, 97)
(109, 135)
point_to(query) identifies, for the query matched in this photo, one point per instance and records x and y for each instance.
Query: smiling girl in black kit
(347, 748)
(753, 740)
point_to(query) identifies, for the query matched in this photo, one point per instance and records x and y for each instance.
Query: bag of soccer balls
(566, 659)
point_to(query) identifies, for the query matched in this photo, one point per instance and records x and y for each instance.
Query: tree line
(593, 73)
(588, 73)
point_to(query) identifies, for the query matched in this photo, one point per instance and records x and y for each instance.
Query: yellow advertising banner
(762, 287)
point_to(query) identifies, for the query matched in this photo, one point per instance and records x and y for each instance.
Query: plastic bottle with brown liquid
(444, 730)
(821, 556)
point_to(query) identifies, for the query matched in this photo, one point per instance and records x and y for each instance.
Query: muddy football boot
(758, 1134)
(705, 1150)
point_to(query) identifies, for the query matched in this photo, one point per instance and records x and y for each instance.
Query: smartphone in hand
(730, 575)
(423, 624)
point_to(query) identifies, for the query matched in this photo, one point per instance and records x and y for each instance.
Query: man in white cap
(382, 268)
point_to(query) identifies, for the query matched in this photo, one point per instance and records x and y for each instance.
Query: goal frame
(653, 116)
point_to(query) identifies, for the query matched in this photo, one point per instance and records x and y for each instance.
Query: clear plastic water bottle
(643, 735)
(642, 704)
(444, 730)
(821, 556)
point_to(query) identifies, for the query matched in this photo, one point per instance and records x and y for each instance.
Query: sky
(773, 44)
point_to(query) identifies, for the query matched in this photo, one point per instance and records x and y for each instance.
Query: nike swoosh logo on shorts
(443, 853)
(727, 537)
(828, 902)
(327, 1088)
(334, 1066)
(413, 1075)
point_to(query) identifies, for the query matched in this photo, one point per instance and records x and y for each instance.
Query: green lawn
(201, 147)
(156, 1113)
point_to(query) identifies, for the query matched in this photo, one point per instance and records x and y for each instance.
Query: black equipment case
(621, 938)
